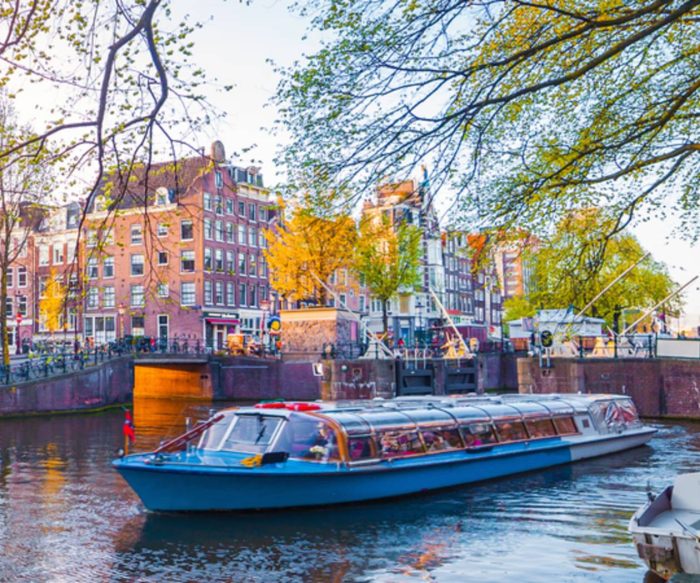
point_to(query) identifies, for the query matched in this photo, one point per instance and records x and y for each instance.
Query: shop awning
(225, 321)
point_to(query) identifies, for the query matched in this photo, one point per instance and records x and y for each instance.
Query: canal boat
(666, 530)
(279, 455)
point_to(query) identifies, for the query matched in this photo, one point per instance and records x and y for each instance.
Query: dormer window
(162, 196)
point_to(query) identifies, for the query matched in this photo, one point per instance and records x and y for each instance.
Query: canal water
(65, 515)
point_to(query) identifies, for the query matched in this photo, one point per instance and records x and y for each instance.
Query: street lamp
(120, 323)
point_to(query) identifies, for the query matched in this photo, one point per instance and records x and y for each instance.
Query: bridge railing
(41, 366)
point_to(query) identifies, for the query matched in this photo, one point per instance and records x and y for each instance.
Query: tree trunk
(385, 320)
(3, 319)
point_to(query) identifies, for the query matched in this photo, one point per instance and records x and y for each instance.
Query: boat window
(478, 434)
(441, 438)
(388, 419)
(251, 433)
(431, 416)
(361, 448)
(565, 425)
(531, 409)
(538, 428)
(310, 438)
(628, 412)
(511, 430)
(399, 443)
(468, 414)
(211, 438)
(558, 407)
(352, 424)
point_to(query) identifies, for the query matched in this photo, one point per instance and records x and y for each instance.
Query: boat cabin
(371, 431)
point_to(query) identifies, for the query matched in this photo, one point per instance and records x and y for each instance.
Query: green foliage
(579, 261)
(387, 258)
(518, 307)
(529, 109)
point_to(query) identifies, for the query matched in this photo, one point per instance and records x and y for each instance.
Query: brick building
(176, 252)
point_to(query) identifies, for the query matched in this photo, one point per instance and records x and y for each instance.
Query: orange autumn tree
(52, 303)
(310, 243)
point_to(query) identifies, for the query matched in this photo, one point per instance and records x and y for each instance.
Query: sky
(236, 47)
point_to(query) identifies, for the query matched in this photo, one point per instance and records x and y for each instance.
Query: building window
(162, 290)
(219, 260)
(186, 231)
(43, 255)
(252, 266)
(230, 263)
(10, 273)
(22, 276)
(93, 269)
(218, 205)
(230, 300)
(161, 197)
(187, 261)
(22, 305)
(241, 209)
(93, 298)
(252, 301)
(136, 296)
(242, 291)
(242, 235)
(108, 267)
(218, 179)
(262, 267)
(207, 229)
(136, 234)
(219, 295)
(162, 229)
(219, 232)
(108, 297)
(162, 257)
(362, 303)
(207, 201)
(207, 293)
(229, 206)
(261, 215)
(230, 235)
(9, 307)
(207, 259)
(251, 212)
(187, 295)
(58, 254)
(137, 325)
(136, 265)
(261, 239)
(241, 263)
(252, 236)
(90, 238)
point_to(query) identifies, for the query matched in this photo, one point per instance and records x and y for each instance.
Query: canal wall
(661, 387)
(98, 386)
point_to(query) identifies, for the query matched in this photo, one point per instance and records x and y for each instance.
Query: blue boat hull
(198, 487)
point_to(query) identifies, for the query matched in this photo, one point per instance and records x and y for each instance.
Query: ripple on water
(66, 515)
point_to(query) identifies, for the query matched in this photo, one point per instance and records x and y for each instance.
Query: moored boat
(666, 530)
(277, 455)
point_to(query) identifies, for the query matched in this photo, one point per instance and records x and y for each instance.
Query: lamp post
(120, 322)
(18, 340)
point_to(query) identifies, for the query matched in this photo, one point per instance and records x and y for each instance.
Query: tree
(388, 259)
(307, 247)
(578, 262)
(528, 109)
(518, 307)
(119, 78)
(52, 305)
(23, 184)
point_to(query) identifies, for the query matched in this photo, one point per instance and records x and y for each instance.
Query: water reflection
(65, 515)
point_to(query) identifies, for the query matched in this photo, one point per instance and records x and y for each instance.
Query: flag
(128, 427)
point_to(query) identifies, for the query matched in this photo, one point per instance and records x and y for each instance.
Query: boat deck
(667, 520)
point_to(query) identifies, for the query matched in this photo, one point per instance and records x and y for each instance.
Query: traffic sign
(546, 339)
(274, 324)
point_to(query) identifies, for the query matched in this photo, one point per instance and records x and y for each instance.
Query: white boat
(666, 530)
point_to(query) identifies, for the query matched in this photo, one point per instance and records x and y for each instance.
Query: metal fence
(42, 366)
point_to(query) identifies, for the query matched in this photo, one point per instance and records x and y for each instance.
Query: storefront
(100, 328)
(217, 327)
